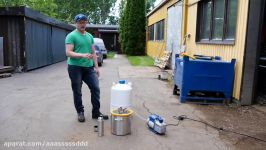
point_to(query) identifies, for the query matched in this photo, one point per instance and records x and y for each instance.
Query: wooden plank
(162, 61)
(5, 75)
(6, 69)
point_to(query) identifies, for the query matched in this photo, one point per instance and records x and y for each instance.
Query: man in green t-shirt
(83, 67)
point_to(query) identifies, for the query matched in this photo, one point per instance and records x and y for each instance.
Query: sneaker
(95, 116)
(81, 117)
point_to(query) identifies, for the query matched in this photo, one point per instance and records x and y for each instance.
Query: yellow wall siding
(227, 52)
(156, 48)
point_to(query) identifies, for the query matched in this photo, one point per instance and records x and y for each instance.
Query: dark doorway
(261, 80)
(111, 42)
(108, 39)
(250, 81)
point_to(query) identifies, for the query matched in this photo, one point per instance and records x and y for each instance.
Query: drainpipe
(184, 19)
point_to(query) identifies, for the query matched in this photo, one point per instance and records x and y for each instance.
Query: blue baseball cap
(80, 17)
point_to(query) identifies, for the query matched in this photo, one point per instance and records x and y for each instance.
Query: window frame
(151, 27)
(158, 26)
(200, 22)
(160, 33)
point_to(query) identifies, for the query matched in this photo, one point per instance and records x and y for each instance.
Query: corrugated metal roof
(108, 31)
(102, 26)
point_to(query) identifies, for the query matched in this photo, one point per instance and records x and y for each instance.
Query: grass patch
(110, 54)
(140, 60)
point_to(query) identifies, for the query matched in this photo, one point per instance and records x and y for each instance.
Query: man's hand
(94, 57)
(97, 71)
(87, 56)
(70, 53)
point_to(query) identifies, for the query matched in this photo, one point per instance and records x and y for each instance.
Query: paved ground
(37, 107)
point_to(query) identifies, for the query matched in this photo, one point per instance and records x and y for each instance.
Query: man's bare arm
(71, 53)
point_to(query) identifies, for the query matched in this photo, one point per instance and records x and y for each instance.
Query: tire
(100, 64)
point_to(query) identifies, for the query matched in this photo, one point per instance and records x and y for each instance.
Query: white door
(174, 28)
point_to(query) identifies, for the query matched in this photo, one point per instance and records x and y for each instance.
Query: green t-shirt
(82, 44)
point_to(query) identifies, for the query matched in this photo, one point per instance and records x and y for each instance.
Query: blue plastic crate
(204, 76)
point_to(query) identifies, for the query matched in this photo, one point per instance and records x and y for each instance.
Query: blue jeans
(78, 74)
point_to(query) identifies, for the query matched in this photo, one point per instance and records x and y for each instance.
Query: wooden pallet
(5, 75)
(6, 69)
(162, 61)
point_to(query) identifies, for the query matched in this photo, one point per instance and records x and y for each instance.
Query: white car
(99, 55)
(99, 42)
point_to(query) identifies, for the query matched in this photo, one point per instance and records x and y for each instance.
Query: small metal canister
(100, 126)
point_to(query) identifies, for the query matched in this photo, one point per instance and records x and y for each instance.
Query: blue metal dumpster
(204, 76)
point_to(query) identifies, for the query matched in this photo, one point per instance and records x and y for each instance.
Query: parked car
(99, 55)
(99, 42)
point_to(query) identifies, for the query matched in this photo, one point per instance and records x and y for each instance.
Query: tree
(7, 3)
(42, 6)
(133, 27)
(104, 8)
(97, 11)
(123, 11)
(149, 5)
(65, 10)
(122, 6)
(38, 5)
(112, 20)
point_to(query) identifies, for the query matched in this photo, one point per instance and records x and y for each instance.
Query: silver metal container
(121, 123)
(100, 126)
